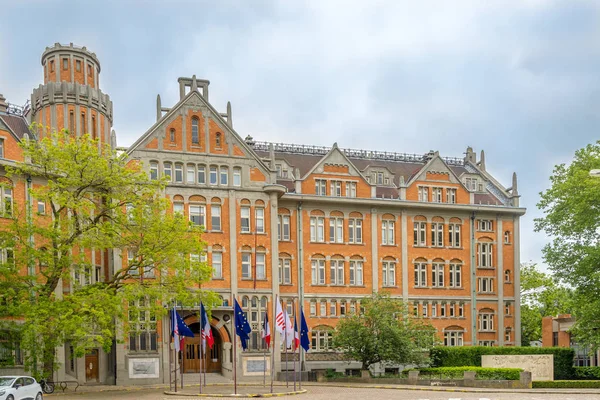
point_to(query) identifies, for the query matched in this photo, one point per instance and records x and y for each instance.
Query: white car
(19, 388)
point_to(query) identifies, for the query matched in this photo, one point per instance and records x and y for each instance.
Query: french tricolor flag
(207, 336)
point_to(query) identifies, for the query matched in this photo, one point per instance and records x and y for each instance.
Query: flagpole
(234, 352)
(294, 345)
(201, 347)
(287, 378)
(176, 361)
(274, 340)
(300, 348)
(265, 352)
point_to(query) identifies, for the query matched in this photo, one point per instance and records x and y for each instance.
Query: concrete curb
(242, 395)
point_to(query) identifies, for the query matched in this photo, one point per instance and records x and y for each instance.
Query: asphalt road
(336, 393)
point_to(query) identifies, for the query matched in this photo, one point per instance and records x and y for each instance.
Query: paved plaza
(322, 392)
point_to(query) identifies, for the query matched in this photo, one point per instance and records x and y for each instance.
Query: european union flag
(242, 327)
(304, 341)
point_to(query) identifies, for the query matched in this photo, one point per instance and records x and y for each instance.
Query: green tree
(96, 200)
(541, 295)
(571, 208)
(383, 331)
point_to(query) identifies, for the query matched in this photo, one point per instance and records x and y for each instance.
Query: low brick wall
(467, 381)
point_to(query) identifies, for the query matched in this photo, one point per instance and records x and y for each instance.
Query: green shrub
(586, 373)
(331, 373)
(566, 384)
(466, 356)
(512, 374)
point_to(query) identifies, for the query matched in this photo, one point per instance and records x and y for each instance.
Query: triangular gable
(5, 127)
(194, 98)
(335, 156)
(499, 191)
(436, 164)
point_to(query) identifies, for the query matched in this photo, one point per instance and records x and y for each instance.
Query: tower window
(52, 66)
(78, 66)
(94, 133)
(195, 137)
(71, 122)
(65, 63)
(172, 135)
(218, 139)
(89, 69)
(83, 123)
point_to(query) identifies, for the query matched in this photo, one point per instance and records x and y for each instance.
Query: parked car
(19, 388)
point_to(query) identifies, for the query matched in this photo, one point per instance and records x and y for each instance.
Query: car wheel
(39, 396)
(10, 397)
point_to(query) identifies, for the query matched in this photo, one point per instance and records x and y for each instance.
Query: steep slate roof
(17, 124)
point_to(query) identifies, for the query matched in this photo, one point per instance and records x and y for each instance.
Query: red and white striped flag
(279, 319)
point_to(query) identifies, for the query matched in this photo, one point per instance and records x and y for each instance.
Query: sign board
(254, 366)
(541, 366)
(143, 368)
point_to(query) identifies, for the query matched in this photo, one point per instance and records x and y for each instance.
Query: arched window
(172, 135)
(195, 136)
(178, 205)
(507, 237)
(259, 216)
(153, 170)
(213, 174)
(261, 263)
(168, 171)
(317, 226)
(485, 257)
(237, 176)
(355, 227)
(317, 267)
(420, 231)
(322, 338)
(283, 224)
(486, 320)
(507, 276)
(437, 232)
(336, 227)
(285, 269)
(197, 210)
(454, 232)
(437, 273)
(455, 273)
(224, 175)
(388, 271)
(246, 262)
(387, 229)
(420, 272)
(453, 336)
(356, 271)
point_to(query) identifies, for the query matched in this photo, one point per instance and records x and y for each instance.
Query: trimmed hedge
(566, 384)
(469, 356)
(510, 374)
(586, 373)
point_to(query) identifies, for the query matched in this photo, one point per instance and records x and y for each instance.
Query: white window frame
(317, 267)
(335, 188)
(436, 194)
(450, 196)
(420, 234)
(317, 229)
(202, 174)
(387, 232)
(355, 230)
(283, 227)
(178, 173)
(261, 265)
(213, 175)
(484, 255)
(217, 264)
(190, 169)
(336, 272)
(454, 235)
(437, 275)
(215, 218)
(259, 219)
(153, 170)
(437, 234)
(198, 210)
(246, 265)
(455, 275)
(245, 219)
(168, 171)
(486, 322)
(423, 194)
(485, 285)
(237, 176)
(388, 269)
(453, 338)
(336, 230)
(321, 187)
(350, 189)
(285, 271)
(223, 176)
(356, 272)
(420, 273)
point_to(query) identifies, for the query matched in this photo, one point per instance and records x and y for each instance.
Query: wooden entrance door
(192, 355)
(91, 365)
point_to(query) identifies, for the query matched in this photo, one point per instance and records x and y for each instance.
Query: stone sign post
(541, 366)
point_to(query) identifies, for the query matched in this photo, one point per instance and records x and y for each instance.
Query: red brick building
(317, 226)
(556, 333)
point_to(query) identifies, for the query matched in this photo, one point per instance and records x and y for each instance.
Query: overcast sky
(519, 79)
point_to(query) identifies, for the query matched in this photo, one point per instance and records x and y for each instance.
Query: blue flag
(304, 341)
(179, 329)
(242, 327)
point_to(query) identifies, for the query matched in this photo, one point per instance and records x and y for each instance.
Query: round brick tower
(70, 97)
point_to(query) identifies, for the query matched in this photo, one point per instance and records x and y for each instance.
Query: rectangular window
(451, 309)
(153, 170)
(179, 173)
(486, 322)
(434, 310)
(41, 207)
(195, 136)
(454, 235)
(437, 234)
(389, 273)
(461, 310)
(380, 178)
(260, 220)
(387, 232)
(201, 174)
(83, 124)
(336, 230)
(317, 229)
(451, 196)
(485, 285)
(283, 227)
(318, 272)
(224, 173)
(443, 310)
(420, 275)
(507, 237)
(437, 275)
(260, 266)
(217, 264)
(453, 338)
(471, 184)
(335, 188)
(332, 308)
(485, 225)
(313, 309)
(245, 219)
(355, 230)
(51, 66)
(65, 63)
(320, 187)
(507, 308)
(423, 193)
(178, 208)
(436, 194)
(168, 171)
(484, 251)
(197, 214)
(246, 266)
(1, 148)
(419, 233)
(350, 189)
(237, 177)
(323, 309)
(8, 201)
(191, 174)
(213, 175)
(356, 273)
(336, 275)
(424, 309)
(343, 308)
(215, 218)
(455, 275)
(285, 271)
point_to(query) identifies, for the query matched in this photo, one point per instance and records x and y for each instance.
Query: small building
(556, 333)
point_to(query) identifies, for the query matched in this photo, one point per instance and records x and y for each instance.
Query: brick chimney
(3, 105)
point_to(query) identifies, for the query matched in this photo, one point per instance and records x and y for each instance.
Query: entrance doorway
(192, 354)
(91, 365)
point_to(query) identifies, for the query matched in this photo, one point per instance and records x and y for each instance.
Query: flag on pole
(207, 336)
(179, 329)
(304, 341)
(289, 330)
(296, 343)
(242, 327)
(266, 330)
(279, 319)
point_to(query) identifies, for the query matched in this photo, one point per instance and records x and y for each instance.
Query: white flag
(289, 330)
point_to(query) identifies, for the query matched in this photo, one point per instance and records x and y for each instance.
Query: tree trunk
(48, 354)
